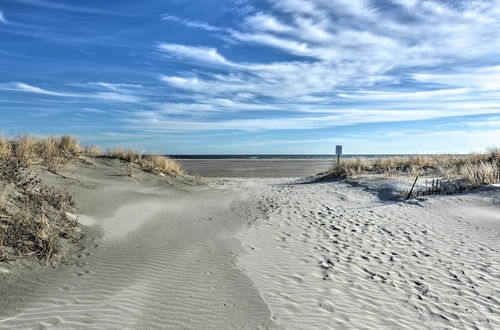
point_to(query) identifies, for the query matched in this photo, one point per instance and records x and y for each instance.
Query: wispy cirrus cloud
(156, 121)
(108, 96)
(199, 54)
(191, 23)
(49, 4)
(351, 52)
(2, 17)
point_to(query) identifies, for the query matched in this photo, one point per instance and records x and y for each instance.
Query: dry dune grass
(53, 151)
(33, 218)
(30, 150)
(151, 163)
(5, 148)
(474, 169)
(93, 150)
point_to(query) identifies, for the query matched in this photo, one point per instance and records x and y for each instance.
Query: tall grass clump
(93, 150)
(30, 150)
(25, 150)
(161, 165)
(5, 148)
(155, 164)
(69, 146)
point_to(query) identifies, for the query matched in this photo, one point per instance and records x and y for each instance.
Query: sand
(333, 256)
(249, 168)
(262, 253)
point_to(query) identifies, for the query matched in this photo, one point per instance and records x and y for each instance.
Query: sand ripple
(330, 256)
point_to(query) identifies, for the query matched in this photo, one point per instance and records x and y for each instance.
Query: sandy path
(166, 260)
(330, 256)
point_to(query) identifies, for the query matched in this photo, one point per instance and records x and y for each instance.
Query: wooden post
(411, 190)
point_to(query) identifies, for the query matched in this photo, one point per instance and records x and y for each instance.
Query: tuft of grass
(128, 170)
(93, 150)
(25, 150)
(5, 148)
(69, 146)
(48, 147)
(161, 165)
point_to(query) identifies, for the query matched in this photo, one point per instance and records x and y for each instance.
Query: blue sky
(243, 76)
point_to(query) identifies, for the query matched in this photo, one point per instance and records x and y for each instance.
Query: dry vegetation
(53, 151)
(151, 163)
(29, 150)
(33, 216)
(462, 171)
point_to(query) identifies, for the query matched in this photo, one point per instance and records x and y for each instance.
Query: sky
(254, 76)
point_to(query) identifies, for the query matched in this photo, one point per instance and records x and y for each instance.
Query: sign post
(338, 152)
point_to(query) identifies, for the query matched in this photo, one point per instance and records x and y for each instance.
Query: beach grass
(53, 151)
(155, 164)
(472, 170)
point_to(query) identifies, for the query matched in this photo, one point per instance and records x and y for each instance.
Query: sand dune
(262, 254)
(165, 259)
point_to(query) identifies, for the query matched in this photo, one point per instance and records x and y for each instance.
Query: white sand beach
(261, 253)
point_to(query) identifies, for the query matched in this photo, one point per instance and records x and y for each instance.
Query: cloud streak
(48, 4)
(191, 23)
(2, 17)
(106, 96)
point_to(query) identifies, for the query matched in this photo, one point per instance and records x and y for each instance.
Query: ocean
(282, 156)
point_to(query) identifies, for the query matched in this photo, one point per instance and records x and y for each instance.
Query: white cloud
(156, 121)
(2, 17)
(351, 52)
(108, 96)
(198, 54)
(22, 87)
(485, 78)
(191, 23)
(264, 22)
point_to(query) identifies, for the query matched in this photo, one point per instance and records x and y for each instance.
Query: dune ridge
(152, 261)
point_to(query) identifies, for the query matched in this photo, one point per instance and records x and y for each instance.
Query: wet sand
(261, 168)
